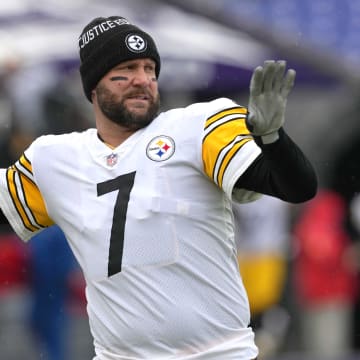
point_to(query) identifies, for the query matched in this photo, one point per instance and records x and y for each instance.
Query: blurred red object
(14, 257)
(323, 269)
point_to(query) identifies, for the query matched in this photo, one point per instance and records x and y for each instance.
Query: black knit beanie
(106, 42)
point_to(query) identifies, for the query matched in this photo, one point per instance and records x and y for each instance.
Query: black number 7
(123, 184)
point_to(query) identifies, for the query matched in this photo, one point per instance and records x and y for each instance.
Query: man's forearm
(281, 170)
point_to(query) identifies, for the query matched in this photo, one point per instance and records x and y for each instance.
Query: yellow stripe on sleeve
(35, 202)
(223, 134)
(27, 200)
(10, 175)
(232, 111)
(227, 158)
(25, 163)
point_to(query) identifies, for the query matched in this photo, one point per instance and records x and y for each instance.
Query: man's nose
(141, 77)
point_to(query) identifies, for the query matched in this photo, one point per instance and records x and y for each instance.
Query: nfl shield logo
(111, 159)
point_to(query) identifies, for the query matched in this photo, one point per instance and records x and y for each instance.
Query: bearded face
(134, 110)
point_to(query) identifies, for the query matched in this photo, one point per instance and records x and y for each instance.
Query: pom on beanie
(106, 42)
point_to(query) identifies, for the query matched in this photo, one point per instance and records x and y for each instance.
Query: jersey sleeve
(228, 147)
(21, 200)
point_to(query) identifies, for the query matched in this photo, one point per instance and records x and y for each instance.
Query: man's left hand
(269, 88)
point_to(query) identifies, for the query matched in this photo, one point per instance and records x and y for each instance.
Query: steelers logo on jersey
(160, 148)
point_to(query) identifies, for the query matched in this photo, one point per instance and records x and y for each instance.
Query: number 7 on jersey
(123, 184)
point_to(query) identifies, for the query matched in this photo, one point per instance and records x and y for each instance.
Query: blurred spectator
(14, 259)
(27, 87)
(14, 255)
(65, 108)
(52, 265)
(262, 237)
(42, 300)
(345, 180)
(14, 296)
(325, 279)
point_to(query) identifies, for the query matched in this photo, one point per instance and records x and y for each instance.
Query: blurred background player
(262, 232)
(325, 277)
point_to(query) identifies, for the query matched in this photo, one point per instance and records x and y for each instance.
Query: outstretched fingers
(269, 75)
(272, 78)
(288, 82)
(256, 83)
(279, 75)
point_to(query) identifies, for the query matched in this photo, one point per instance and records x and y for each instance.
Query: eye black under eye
(117, 78)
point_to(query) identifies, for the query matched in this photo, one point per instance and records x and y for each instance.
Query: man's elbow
(305, 193)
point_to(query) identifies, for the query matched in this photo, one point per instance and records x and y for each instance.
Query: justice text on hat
(98, 29)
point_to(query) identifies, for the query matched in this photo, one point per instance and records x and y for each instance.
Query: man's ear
(93, 95)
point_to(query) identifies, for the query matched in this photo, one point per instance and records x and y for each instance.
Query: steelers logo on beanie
(106, 42)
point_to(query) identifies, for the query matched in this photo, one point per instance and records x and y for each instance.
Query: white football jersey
(150, 223)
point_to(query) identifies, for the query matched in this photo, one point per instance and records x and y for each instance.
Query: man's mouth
(139, 97)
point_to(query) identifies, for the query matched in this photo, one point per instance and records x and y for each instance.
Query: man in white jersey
(145, 199)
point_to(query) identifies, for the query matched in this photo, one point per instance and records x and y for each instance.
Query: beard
(117, 112)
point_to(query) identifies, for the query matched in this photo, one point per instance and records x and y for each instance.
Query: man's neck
(114, 139)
